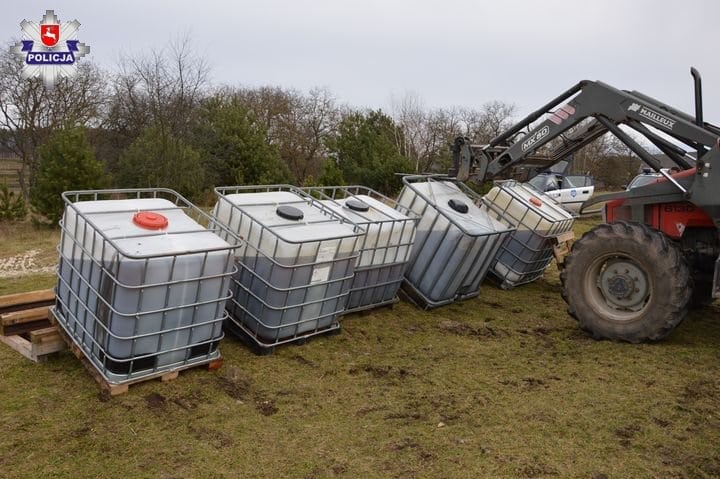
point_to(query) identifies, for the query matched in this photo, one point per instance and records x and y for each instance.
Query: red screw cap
(150, 220)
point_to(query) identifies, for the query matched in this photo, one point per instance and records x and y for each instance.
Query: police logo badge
(50, 50)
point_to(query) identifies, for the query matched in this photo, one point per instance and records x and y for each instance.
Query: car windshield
(538, 182)
(550, 182)
(578, 181)
(568, 183)
(544, 183)
(642, 180)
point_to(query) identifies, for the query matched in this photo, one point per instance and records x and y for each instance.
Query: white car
(568, 191)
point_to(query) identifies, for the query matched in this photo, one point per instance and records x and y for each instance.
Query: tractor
(656, 255)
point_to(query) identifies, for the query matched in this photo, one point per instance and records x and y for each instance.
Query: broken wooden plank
(23, 328)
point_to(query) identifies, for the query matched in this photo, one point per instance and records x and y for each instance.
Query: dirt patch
(661, 422)
(302, 360)
(533, 383)
(104, 395)
(234, 384)
(218, 439)
(338, 468)
(698, 390)
(464, 329)
(580, 336)
(155, 401)
(626, 434)
(364, 411)
(266, 407)
(81, 431)
(527, 384)
(536, 470)
(407, 444)
(692, 465)
(23, 264)
(409, 415)
(492, 304)
(414, 328)
(544, 331)
(189, 401)
(379, 372)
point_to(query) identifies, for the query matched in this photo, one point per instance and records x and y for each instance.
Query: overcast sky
(449, 52)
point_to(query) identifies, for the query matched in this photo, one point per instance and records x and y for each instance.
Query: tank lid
(289, 213)
(150, 220)
(457, 205)
(357, 205)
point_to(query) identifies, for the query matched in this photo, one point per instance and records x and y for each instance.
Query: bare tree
(162, 89)
(313, 118)
(410, 113)
(427, 133)
(268, 105)
(482, 125)
(298, 124)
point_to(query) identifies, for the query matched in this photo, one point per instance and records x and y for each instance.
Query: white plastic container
(456, 240)
(525, 254)
(385, 246)
(141, 285)
(295, 268)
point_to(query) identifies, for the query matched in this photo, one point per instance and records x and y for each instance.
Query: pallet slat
(24, 321)
(27, 298)
(24, 316)
(25, 325)
(23, 328)
(45, 335)
(35, 351)
(20, 301)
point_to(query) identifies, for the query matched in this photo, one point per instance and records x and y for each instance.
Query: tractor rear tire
(626, 282)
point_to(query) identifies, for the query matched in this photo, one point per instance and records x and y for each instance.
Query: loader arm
(606, 108)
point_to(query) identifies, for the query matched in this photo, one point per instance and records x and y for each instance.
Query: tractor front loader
(634, 277)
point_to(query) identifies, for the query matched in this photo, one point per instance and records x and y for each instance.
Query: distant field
(8, 173)
(505, 385)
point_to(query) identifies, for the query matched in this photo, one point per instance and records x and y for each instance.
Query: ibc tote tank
(456, 241)
(526, 253)
(295, 266)
(141, 285)
(385, 245)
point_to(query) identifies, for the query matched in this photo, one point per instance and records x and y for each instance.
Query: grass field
(504, 385)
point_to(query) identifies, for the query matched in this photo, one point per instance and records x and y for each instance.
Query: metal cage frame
(540, 246)
(362, 293)
(94, 333)
(255, 327)
(485, 257)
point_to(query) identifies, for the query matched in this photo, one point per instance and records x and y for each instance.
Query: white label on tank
(322, 273)
(326, 253)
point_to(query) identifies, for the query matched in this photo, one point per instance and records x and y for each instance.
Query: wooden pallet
(25, 324)
(108, 389)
